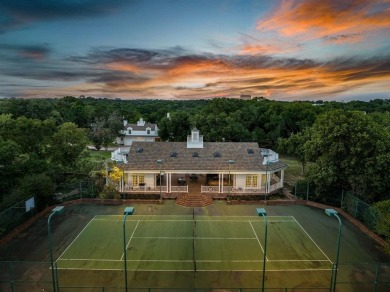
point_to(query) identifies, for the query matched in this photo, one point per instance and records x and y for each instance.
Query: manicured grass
(293, 172)
(100, 154)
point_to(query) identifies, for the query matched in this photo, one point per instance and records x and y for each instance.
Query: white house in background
(139, 132)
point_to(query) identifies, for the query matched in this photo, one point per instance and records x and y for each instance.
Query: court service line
(312, 240)
(191, 237)
(266, 258)
(131, 237)
(191, 220)
(75, 238)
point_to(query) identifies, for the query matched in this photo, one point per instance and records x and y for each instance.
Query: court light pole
(56, 210)
(333, 212)
(231, 161)
(263, 212)
(159, 162)
(127, 211)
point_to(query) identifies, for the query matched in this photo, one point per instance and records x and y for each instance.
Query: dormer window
(195, 136)
(148, 132)
(129, 131)
(195, 140)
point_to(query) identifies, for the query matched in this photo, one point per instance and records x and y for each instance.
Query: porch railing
(240, 190)
(179, 189)
(209, 189)
(144, 189)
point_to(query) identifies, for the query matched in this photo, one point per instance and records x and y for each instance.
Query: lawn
(293, 172)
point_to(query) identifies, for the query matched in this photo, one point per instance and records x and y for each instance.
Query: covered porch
(201, 183)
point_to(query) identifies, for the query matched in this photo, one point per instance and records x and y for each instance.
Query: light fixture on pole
(263, 212)
(56, 210)
(333, 280)
(159, 162)
(127, 211)
(229, 163)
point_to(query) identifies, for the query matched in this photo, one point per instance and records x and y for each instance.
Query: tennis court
(186, 243)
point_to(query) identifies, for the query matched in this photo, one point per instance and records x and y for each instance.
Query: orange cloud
(255, 49)
(317, 19)
(122, 67)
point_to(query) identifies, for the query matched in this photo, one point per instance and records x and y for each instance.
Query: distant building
(140, 132)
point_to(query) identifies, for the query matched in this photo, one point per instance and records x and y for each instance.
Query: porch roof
(144, 156)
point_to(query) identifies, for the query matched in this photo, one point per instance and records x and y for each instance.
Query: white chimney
(141, 122)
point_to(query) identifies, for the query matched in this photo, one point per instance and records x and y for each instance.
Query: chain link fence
(36, 276)
(351, 204)
(15, 216)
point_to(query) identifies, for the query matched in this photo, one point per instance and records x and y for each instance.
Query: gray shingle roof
(135, 127)
(206, 160)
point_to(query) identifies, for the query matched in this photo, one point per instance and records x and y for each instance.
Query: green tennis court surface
(178, 243)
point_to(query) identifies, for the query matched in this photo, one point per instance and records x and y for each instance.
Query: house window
(135, 179)
(251, 180)
(138, 178)
(148, 132)
(129, 131)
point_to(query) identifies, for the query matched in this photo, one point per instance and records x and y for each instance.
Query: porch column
(169, 182)
(282, 178)
(220, 179)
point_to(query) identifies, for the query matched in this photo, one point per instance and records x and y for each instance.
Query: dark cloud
(16, 13)
(116, 78)
(32, 52)
(341, 37)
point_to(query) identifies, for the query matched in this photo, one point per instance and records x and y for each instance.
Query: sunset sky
(183, 49)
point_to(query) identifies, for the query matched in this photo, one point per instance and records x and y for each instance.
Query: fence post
(11, 277)
(295, 189)
(376, 276)
(307, 192)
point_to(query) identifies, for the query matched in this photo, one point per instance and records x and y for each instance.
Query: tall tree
(350, 152)
(67, 144)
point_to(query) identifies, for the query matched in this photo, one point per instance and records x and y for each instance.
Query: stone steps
(194, 200)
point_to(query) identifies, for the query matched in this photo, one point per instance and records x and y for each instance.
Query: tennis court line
(266, 258)
(131, 237)
(190, 261)
(299, 261)
(75, 239)
(312, 240)
(191, 270)
(209, 219)
(191, 237)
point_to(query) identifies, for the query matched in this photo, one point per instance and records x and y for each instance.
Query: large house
(141, 131)
(213, 168)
